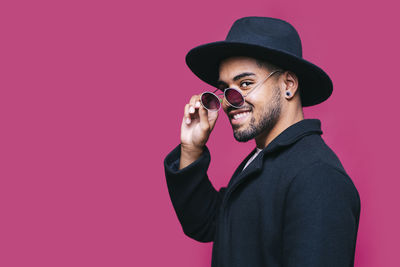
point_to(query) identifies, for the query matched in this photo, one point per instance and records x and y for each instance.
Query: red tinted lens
(234, 97)
(210, 101)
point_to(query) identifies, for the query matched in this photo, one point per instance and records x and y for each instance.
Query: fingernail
(197, 104)
(191, 109)
(187, 120)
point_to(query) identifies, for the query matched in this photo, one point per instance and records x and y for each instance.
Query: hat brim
(315, 85)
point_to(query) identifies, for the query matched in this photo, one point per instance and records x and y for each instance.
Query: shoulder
(320, 171)
(321, 181)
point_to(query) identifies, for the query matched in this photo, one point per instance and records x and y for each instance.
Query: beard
(269, 117)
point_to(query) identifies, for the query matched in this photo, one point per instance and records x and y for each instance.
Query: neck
(283, 123)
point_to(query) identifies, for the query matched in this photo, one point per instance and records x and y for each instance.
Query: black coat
(294, 205)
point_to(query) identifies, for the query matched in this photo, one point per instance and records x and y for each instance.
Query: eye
(245, 84)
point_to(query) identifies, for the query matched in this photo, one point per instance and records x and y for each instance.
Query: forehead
(232, 66)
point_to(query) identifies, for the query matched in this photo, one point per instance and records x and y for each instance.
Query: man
(290, 202)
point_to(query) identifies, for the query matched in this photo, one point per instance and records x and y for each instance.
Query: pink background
(92, 96)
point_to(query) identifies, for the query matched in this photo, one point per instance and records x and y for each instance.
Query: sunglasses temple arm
(251, 90)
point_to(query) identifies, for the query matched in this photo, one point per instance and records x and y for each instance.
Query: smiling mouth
(240, 117)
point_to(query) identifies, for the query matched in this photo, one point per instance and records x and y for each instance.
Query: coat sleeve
(321, 218)
(195, 200)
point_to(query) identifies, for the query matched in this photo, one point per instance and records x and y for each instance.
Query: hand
(197, 125)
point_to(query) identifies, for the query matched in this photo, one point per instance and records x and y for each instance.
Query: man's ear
(291, 83)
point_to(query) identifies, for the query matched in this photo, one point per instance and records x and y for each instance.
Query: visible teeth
(237, 116)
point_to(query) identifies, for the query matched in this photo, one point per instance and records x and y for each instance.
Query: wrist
(189, 155)
(189, 150)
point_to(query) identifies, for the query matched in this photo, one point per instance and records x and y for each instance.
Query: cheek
(258, 108)
(262, 102)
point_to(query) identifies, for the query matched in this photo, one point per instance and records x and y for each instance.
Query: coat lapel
(239, 169)
(289, 136)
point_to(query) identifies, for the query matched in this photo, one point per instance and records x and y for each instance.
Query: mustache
(230, 108)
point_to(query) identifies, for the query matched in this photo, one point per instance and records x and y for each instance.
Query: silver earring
(287, 93)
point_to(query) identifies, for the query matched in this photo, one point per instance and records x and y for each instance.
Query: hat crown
(269, 32)
(270, 39)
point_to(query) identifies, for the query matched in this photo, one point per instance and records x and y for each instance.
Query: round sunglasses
(233, 96)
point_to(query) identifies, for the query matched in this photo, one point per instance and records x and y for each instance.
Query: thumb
(212, 118)
(204, 115)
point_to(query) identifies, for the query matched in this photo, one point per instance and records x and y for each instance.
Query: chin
(243, 135)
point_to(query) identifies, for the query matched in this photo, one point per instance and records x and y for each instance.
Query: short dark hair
(269, 66)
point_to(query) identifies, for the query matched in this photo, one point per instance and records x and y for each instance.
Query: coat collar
(287, 137)
(294, 133)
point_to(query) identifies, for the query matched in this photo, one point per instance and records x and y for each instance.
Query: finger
(194, 99)
(204, 123)
(186, 116)
(212, 118)
(193, 104)
(197, 104)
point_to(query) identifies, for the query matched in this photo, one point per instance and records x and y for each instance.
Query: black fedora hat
(269, 39)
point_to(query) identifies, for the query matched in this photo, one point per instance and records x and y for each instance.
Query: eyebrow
(237, 77)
